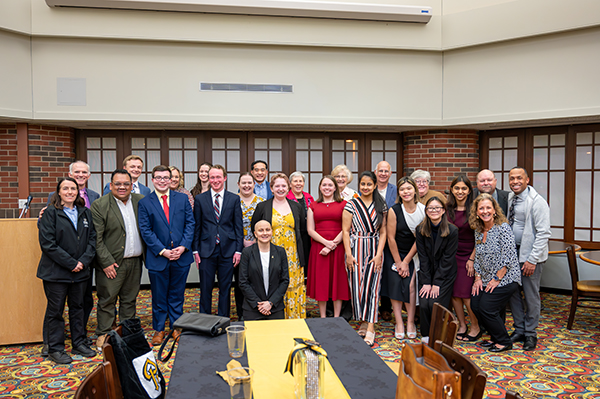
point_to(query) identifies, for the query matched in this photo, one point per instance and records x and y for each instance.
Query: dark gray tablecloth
(362, 372)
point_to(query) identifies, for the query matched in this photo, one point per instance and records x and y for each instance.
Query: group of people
(354, 248)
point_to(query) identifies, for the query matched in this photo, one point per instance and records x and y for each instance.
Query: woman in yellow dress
(288, 220)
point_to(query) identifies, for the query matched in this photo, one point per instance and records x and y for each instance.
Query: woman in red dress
(327, 278)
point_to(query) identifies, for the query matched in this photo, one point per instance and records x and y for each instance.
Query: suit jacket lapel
(156, 202)
(259, 272)
(114, 207)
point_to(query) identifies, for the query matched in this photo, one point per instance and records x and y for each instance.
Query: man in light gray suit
(529, 217)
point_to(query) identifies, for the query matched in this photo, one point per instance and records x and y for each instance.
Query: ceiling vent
(265, 88)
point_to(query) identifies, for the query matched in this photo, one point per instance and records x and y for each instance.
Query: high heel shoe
(362, 330)
(411, 334)
(370, 338)
(397, 334)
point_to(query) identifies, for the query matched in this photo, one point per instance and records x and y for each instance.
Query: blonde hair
(345, 170)
(476, 223)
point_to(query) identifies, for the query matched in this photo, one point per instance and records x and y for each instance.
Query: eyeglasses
(421, 181)
(341, 177)
(161, 178)
(121, 184)
(434, 208)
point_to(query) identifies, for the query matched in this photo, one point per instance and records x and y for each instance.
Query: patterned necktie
(511, 211)
(217, 213)
(166, 207)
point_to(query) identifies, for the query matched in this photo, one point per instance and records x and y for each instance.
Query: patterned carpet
(565, 365)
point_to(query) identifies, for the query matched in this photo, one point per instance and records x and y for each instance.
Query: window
(563, 163)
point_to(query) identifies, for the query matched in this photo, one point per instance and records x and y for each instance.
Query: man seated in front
(264, 276)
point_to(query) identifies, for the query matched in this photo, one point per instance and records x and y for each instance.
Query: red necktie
(166, 207)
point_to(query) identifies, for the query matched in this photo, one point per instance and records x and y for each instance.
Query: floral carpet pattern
(565, 365)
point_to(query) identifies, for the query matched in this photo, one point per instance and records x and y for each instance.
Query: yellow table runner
(268, 345)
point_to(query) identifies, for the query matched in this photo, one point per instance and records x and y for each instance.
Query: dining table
(352, 369)
(592, 257)
(560, 247)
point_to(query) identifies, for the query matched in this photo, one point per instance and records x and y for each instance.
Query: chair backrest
(473, 379)
(443, 326)
(512, 395)
(572, 261)
(109, 356)
(98, 384)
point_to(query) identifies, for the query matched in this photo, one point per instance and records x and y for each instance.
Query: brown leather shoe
(176, 334)
(386, 316)
(158, 338)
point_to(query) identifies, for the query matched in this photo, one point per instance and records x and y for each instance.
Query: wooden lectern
(22, 299)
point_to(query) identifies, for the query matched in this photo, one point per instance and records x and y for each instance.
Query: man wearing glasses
(167, 227)
(119, 250)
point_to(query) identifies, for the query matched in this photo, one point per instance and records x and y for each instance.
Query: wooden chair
(473, 379)
(109, 356)
(98, 384)
(512, 395)
(586, 290)
(444, 326)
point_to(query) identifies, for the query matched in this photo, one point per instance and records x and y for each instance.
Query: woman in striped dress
(364, 235)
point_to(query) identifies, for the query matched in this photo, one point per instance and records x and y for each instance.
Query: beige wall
(15, 75)
(157, 81)
(476, 61)
(545, 77)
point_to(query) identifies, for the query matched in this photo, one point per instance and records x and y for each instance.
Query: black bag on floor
(138, 370)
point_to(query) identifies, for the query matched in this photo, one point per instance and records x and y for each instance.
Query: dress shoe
(84, 351)
(385, 315)
(44, 350)
(516, 337)
(100, 341)
(88, 341)
(158, 338)
(505, 348)
(176, 334)
(60, 357)
(487, 344)
(530, 343)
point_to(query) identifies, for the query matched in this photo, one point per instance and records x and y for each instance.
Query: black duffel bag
(137, 367)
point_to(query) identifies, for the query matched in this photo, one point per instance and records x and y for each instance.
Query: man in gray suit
(119, 250)
(529, 217)
(486, 183)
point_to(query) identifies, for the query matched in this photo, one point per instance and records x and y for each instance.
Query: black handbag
(197, 323)
(138, 370)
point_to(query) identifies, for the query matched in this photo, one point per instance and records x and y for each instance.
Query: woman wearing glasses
(437, 242)
(343, 177)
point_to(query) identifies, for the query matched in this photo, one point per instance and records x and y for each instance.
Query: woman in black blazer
(68, 242)
(264, 276)
(288, 220)
(437, 242)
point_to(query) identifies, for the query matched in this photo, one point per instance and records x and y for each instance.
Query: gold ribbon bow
(303, 343)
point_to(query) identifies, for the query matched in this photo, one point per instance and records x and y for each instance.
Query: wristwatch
(496, 277)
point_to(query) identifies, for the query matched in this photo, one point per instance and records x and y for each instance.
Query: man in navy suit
(260, 171)
(218, 240)
(167, 227)
(134, 165)
(486, 183)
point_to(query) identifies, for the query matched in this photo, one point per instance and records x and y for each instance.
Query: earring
(495, 216)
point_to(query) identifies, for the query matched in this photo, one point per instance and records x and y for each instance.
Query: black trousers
(88, 300)
(489, 309)
(256, 315)
(54, 325)
(426, 305)
(238, 294)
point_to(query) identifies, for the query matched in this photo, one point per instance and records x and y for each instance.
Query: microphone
(26, 207)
